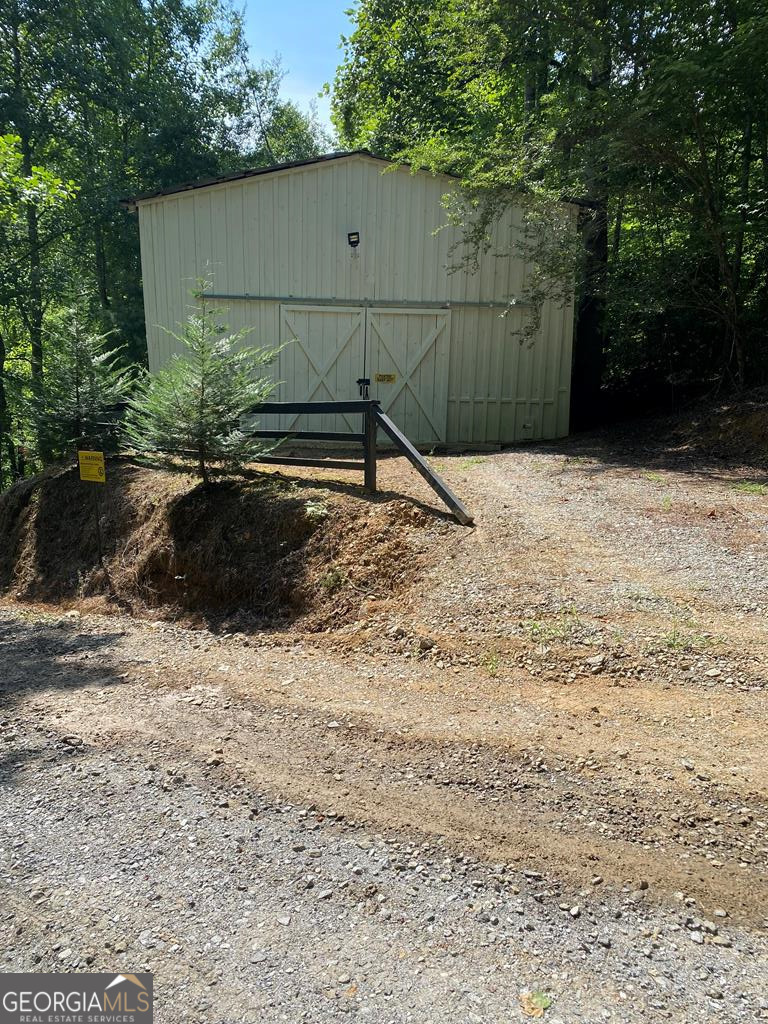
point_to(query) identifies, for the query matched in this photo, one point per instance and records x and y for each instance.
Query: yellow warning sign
(385, 378)
(92, 467)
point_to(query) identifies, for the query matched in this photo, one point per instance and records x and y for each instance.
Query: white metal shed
(444, 361)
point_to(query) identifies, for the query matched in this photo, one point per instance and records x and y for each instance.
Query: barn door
(407, 363)
(322, 360)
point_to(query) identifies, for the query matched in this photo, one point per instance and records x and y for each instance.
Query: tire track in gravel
(487, 796)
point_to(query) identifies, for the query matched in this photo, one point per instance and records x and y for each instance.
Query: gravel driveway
(534, 786)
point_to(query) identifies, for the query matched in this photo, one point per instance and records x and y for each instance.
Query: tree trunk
(100, 264)
(589, 346)
(34, 311)
(203, 469)
(5, 421)
(590, 339)
(746, 166)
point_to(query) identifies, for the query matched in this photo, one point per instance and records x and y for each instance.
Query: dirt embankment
(269, 549)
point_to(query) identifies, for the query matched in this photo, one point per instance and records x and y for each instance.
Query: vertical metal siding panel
(203, 231)
(390, 274)
(444, 240)
(148, 282)
(454, 377)
(542, 354)
(379, 232)
(502, 340)
(551, 352)
(510, 379)
(162, 283)
(499, 335)
(433, 220)
(311, 202)
(419, 238)
(294, 226)
(357, 281)
(360, 286)
(402, 237)
(443, 286)
(479, 375)
(366, 261)
(326, 252)
(218, 241)
(252, 256)
(342, 206)
(515, 355)
(283, 239)
(267, 255)
(564, 382)
(234, 238)
(189, 273)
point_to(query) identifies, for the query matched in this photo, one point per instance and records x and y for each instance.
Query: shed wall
(284, 234)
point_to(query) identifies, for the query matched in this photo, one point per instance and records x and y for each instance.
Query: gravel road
(511, 794)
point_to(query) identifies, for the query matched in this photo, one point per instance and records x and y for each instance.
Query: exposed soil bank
(264, 549)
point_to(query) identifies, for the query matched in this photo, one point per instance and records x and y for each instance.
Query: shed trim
(368, 303)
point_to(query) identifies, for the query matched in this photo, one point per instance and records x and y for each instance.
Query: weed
(666, 503)
(333, 580)
(682, 641)
(492, 664)
(655, 478)
(316, 510)
(565, 624)
(751, 487)
(575, 460)
(473, 460)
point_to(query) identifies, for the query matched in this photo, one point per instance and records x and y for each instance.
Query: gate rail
(372, 419)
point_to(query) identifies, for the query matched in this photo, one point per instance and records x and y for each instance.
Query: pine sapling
(194, 405)
(83, 380)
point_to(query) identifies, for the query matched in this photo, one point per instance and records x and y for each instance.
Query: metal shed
(279, 245)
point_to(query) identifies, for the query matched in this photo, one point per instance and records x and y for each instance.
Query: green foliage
(193, 406)
(752, 487)
(100, 101)
(316, 510)
(83, 379)
(18, 188)
(654, 117)
(29, 196)
(333, 580)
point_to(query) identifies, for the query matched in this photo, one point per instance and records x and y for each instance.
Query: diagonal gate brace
(438, 485)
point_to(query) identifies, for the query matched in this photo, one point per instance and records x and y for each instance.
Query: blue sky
(305, 34)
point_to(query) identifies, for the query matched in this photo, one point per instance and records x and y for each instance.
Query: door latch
(364, 384)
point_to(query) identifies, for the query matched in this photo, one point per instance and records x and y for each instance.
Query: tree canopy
(101, 100)
(654, 117)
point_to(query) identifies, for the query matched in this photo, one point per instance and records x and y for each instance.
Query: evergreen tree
(193, 406)
(83, 379)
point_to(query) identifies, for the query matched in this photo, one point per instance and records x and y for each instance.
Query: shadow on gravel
(16, 760)
(610, 453)
(711, 441)
(36, 657)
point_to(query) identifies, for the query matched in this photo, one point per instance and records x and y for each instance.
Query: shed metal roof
(252, 173)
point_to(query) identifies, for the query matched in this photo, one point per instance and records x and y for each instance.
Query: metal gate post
(369, 448)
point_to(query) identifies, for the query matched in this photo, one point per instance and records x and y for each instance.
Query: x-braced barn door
(402, 351)
(322, 360)
(407, 363)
